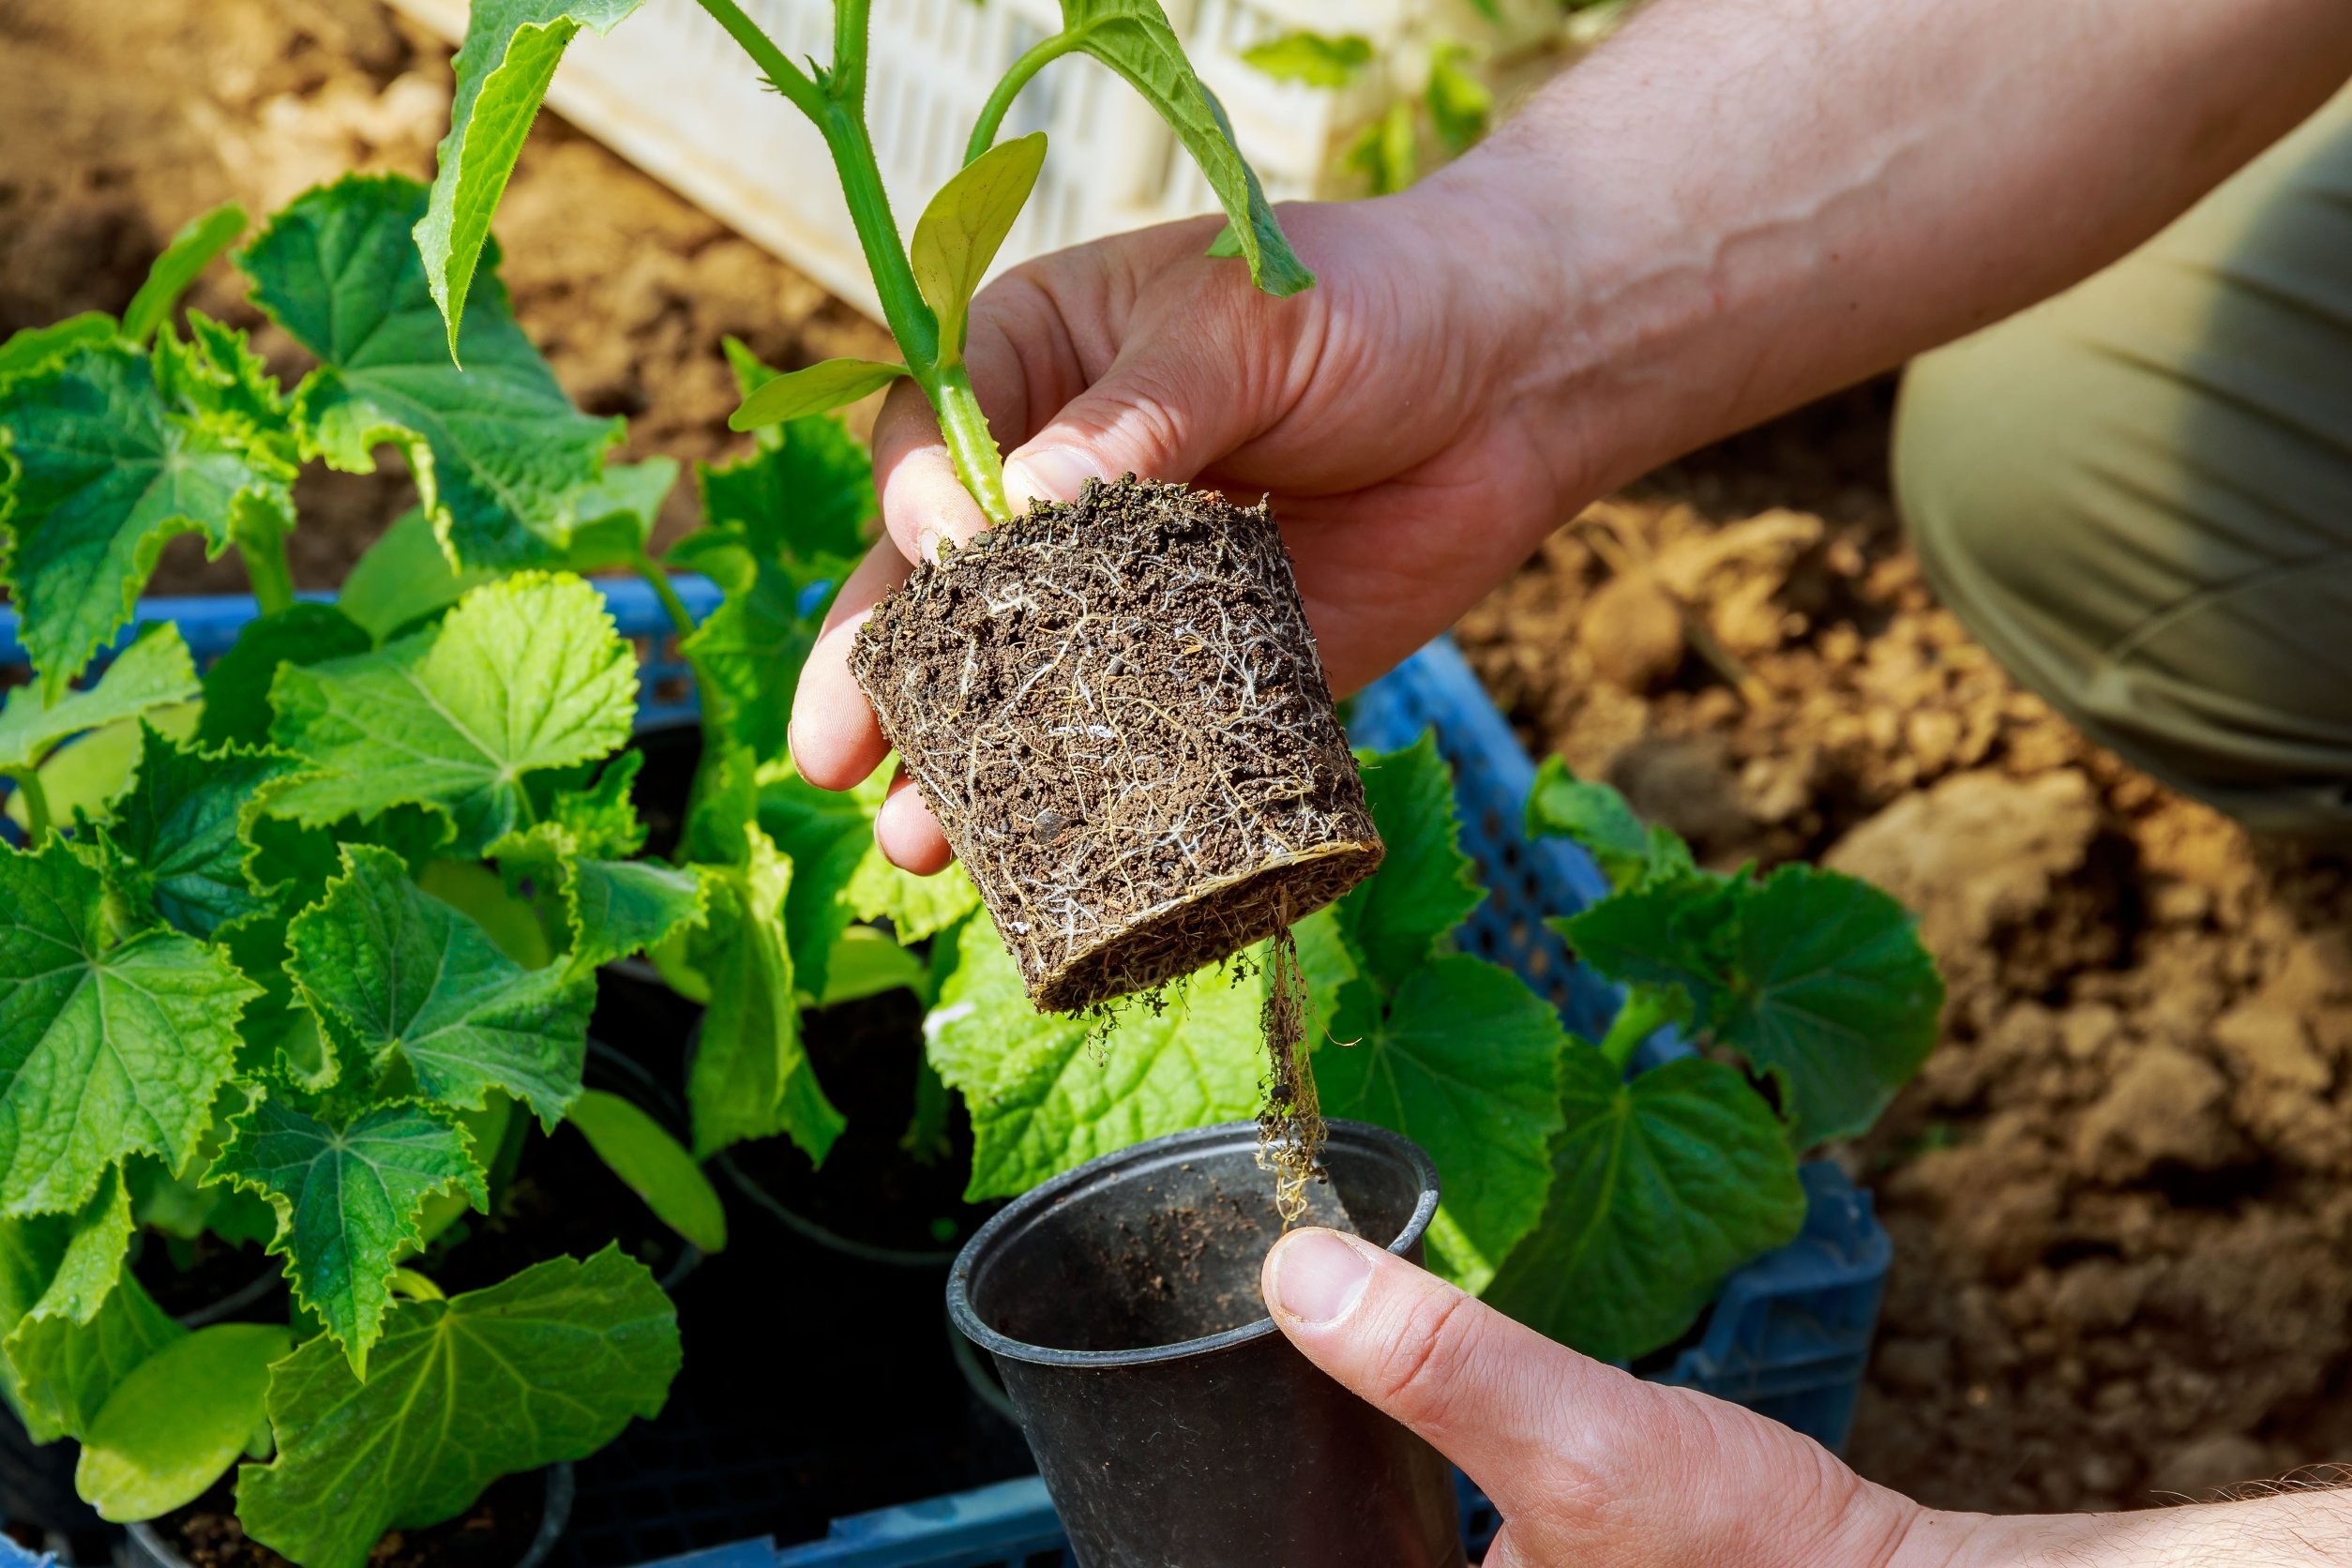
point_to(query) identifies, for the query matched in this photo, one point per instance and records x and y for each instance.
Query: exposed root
(1290, 1130)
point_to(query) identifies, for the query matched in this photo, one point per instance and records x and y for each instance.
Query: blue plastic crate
(1790, 1332)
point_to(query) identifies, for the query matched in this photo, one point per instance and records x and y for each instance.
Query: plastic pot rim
(1033, 1203)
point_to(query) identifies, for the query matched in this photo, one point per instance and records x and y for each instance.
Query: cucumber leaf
(77, 1322)
(30, 348)
(390, 970)
(610, 908)
(1044, 1101)
(526, 674)
(748, 653)
(348, 1199)
(98, 474)
(193, 249)
(963, 228)
(1133, 37)
(752, 1076)
(109, 1045)
(178, 1421)
(1835, 996)
(155, 671)
(1462, 1060)
(653, 1165)
(1596, 816)
(182, 830)
(820, 388)
(500, 455)
(404, 577)
(548, 1365)
(806, 495)
(1660, 1187)
(1426, 886)
(1317, 59)
(502, 70)
(236, 688)
(1681, 932)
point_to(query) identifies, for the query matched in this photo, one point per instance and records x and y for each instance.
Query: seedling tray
(1788, 1336)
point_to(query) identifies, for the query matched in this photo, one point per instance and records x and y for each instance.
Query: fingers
(1162, 412)
(908, 833)
(834, 741)
(922, 500)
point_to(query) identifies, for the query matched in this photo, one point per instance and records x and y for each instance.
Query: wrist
(2298, 1529)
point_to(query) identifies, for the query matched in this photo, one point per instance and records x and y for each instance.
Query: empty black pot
(1175, 1426)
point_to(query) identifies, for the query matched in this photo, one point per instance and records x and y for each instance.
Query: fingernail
(1052, 473)
(1318, 1277)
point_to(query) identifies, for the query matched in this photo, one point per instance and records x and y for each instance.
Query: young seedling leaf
(653, 1165)
(237, 687)
(502, 70)
(1660, 1188)
(390, 970)
(500, 455)
(1317, 59)
(1463, 1061)
(98, 472)
(155, 671)
(1043, 1101)
(348, 1198)
(548, 1365)
(31, 348)
(1835, 997)
(404, 577)
(108, 1047)
(809, 496)
(819, 389)
(182, 830)
(961, 231)
(1681, 931)
(1133, 37)
(178, 1421)
(752, 1076)
(617, 514)
(526, 674)
(1426, 886)
(610, 908)
(192, 251)
(1459, 103)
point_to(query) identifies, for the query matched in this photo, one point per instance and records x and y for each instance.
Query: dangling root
(1290, 1128)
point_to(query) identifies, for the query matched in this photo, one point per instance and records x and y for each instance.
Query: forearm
(1739, 205)
(2309, 1529)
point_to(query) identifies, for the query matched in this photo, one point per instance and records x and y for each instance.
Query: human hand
(1589, 1466)
(1379, 409)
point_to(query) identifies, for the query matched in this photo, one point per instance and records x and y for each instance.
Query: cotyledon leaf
(963, 228)
(389, 969)
(548, 1365)
(153, 673)
(178, 1421)
(348, 1199)
(820, 388)
(502, 70)
(109, 1047)
(500, 455)
(525, 673)
(640, 1152)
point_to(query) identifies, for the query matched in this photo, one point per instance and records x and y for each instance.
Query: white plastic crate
(672, 93)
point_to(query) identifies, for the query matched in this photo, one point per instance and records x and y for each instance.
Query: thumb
(1159, 416)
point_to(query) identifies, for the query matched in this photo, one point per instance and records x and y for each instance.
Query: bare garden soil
(2120, 1193)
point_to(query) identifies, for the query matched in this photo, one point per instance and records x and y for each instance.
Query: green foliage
(179, 1419)
(821, 388)
(1317, 59)
(193, 249)
(960, 231)
(182, 832)
(236, 688)
(548, 1365)
(31, 348)
(402, 578)
(153, 673)
(653, 1166)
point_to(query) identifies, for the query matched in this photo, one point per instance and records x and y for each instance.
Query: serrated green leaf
(178, 1421)
(108, 1047)
(192, 251)
(1834, 995)
(98, 474)
(547, 1366)
(500, 455)
(1660, 1188)
(1426, 886)
(237, 687)
(503, 71)
(808, 495)
(963, 228)
(1317, 59)
(610, 908)
(33, 347)
(183, 824)
(820, 388)
(747, 653)
(404, 577)
(525, 673)
(348, 1199)
(617, 514)
(1043, 1101)
(602, 819)
(752, 1076)
(153, 673)
(652, 1165)
(1629, 852)
(1679, 932)
(1133, 37)
(1459, 104)
(391, 971)
(1462, 1059)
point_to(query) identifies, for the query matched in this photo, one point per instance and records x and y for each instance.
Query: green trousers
(2138, 494)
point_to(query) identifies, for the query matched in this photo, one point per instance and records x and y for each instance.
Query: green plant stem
(848, 83)
(784, 76)
(1001, 101)
(652, 572)
(29, 782)
(268, 572)
(414, 1285)
(970, 444)
(1646, 1011)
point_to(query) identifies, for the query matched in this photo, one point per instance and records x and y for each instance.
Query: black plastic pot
(1173, 1421)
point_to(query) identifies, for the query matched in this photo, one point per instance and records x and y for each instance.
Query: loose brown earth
(2121, 1193)
(495, 1532)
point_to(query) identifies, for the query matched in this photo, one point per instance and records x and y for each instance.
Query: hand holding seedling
(1590, 1466)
